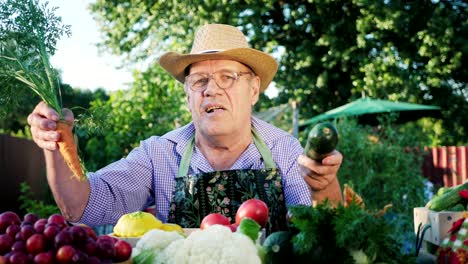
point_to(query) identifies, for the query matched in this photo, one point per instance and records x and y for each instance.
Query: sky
(77, 56)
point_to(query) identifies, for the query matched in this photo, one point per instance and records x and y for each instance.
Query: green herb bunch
(344, 234)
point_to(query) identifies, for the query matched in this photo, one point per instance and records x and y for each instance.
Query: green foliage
(380, 167)
(152, 106)
(330, 52)
(324, 234)
(39, 207)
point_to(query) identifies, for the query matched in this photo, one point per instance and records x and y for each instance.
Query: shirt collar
(180, 137)
(250, 158)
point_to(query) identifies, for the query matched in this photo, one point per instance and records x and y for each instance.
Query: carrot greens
(28, 35)
(24, 56)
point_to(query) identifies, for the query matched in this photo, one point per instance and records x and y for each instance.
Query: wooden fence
(446, 166)
(20, 161)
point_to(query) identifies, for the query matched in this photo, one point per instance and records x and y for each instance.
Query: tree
(152, 106)
(330, 52)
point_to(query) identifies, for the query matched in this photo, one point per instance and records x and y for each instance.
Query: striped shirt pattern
(147, 175)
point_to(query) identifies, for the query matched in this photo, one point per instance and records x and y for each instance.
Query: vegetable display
(215, 244)
(450, 199)
(347, 233)
(53, 240)
(321, 141)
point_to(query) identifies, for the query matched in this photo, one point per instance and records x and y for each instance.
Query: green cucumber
(448, 199)
(442, 190)
(457, 208)
(321, 141)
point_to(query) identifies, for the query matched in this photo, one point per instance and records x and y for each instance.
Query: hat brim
(264, 65)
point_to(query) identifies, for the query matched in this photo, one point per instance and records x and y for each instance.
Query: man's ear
(255, 89)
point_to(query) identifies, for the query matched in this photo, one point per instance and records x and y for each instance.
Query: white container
(440, 223)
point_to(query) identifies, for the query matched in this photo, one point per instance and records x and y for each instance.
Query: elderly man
(223, 157)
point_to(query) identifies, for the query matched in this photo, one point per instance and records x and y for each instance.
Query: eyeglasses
(224, 79)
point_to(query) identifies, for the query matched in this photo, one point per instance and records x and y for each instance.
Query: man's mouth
(213, 108)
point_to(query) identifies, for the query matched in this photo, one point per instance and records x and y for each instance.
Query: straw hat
(218, 41)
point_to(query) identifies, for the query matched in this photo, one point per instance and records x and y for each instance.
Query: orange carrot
(68, 149)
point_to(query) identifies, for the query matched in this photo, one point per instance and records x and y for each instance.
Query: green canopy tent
(367, 110)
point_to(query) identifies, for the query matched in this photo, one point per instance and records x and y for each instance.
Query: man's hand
(322, 177)
(319, 175)
(71, 195)
(43, 122)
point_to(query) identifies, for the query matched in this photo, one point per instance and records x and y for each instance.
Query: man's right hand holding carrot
(71, 193)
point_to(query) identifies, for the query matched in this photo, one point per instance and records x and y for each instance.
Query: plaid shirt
(147, 175)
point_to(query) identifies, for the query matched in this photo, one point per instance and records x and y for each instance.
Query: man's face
(222, 112)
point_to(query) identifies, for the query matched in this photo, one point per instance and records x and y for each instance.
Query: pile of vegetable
(343, 233)
(217, 241)
(52, 240)
(453, 198)
(215, 244)
(347, 233)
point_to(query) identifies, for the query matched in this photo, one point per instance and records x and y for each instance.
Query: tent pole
(295, 120)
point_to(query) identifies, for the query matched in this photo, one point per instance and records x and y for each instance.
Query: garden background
(330, 53)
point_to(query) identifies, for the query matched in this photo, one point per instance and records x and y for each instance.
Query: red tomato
(214, 219)
(255, 209)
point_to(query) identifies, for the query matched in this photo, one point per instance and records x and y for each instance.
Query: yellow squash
(136, 224)
(172, 227)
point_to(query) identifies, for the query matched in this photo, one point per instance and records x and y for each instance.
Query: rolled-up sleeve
(121, 187)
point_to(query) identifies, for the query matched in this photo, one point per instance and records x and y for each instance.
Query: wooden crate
(440, 223)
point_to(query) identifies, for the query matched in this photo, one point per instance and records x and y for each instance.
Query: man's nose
(212, 87)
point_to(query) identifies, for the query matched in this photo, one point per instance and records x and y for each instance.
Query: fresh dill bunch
(310, 221)
(345, 234)
(314, 239)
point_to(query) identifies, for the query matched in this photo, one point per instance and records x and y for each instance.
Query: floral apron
(196, 196)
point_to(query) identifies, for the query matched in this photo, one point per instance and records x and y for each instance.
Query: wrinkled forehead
(216, 65)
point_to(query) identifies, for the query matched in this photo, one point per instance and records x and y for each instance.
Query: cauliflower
(157, 240)
(216, 244)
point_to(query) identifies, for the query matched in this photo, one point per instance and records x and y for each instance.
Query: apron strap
(264, 150)
(185, 162)
(258, 141)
